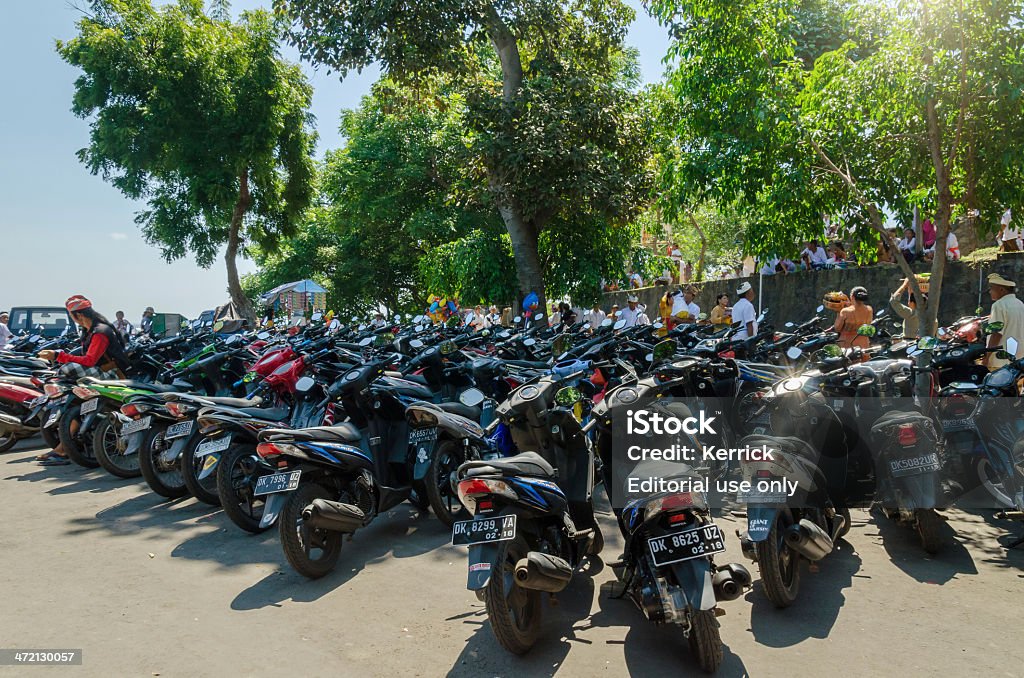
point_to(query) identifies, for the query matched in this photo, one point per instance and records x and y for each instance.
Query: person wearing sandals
(103, 356)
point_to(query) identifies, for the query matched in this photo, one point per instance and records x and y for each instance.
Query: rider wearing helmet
(103, 353)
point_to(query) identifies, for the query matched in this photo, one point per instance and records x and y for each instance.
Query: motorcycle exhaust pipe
(334, 516)
(11, 425)
(543, 572)
(730, 581)
(809, 540)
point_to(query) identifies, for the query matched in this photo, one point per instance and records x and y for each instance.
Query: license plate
(912, 466)
(136, 426)
(693, 543)
(950, 425)
(279, 482)
(762, 495)
(421, 434)
(179, 430)
(213, 445)
(483, 530)
(90, 405)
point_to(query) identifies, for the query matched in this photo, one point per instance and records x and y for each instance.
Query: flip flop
(49, 455)
(56, 461)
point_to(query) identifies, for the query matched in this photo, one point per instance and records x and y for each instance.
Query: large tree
(199, 116)
(896, 116)
(554, 126)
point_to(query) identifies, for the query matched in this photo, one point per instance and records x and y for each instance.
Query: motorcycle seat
(525, 464)
(342, 433)
(131, 383)
(416, 378)
(18, 381)
(241, 403)
(471, 413)
(265, 413)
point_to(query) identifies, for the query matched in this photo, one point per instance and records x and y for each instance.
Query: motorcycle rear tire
(204, 490)
(235, 491)
(113, 461)
(781, 582)
(165, 482)
(515, 616)
(78, 448)
(705, 640)
(443, 502)
(8, 441)
(928, 525)
(296, 537)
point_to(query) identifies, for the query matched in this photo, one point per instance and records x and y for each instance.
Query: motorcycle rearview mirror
(789, 324)
(317, 317)
(418, 328)
(819, 309)
(263, 336)
(304, 384)
(529, 342)
(794, 352)
(366, 342)
(518, 319)
(398, 318)
(416, 343)
(649, 357)
(927, 344)
(658, 325)
(471, 397)
(361, 327)
(760, 318)
(607, 322)
(539, 317)
(702, 317)
(505, 335)
(619, 324)
(1011, 349)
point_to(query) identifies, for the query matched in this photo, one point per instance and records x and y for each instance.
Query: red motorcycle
(21, 404)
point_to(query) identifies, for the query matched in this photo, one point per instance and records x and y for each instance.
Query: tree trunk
(524, 234)
(529, 272)
(699, 275)
(241, 302)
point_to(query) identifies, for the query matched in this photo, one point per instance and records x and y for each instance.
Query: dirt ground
(152, 588)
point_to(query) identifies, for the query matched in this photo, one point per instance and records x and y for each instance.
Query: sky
(64, 231)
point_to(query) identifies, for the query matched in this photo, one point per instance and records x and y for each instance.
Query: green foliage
(187, 109)
(554, 126)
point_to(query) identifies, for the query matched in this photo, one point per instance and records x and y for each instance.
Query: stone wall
(796, 296)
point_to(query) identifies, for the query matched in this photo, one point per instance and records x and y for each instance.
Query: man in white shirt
(743, 312)
(634, 314)
(5, 331)
(1009, 237)
(769, 266)
(1006, 309)
(684, 304)
(595, 317)
(814, 256)
(635, 281)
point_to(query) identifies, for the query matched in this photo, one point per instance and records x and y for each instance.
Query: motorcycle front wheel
(514, 612)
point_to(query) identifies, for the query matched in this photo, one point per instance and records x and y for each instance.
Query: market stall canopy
(301, 286)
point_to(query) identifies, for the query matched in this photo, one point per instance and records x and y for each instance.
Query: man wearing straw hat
(1008, 310)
